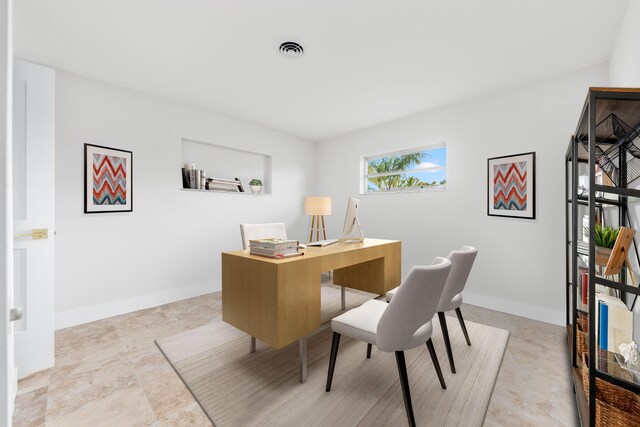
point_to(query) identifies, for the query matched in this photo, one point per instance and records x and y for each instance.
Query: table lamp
(317, 207)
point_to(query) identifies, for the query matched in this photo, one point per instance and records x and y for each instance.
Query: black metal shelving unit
(607, 137)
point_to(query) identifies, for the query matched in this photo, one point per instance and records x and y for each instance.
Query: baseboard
(102, 311)
(542, 314)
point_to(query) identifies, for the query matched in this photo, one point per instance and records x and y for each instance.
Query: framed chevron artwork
(108, 179)
(511, 190)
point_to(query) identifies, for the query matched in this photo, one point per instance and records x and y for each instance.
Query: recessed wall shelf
(222, 161)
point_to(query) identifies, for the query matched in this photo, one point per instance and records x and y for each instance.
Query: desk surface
(316, 251)
(278, 300)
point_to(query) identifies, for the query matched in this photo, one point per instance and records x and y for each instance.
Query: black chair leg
(464, 328)
(404, 384)
(447, 343)
(332, 359)
(434, 358)
(369, 351)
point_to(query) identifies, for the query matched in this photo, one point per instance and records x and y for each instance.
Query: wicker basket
(615, 406)
(582, 338)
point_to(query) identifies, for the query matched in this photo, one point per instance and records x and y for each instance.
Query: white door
(7, 368)
(33, 215)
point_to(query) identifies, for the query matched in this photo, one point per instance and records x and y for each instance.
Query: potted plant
(605, 239)
(256, 185)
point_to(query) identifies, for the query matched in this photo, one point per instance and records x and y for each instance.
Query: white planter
(256, 188)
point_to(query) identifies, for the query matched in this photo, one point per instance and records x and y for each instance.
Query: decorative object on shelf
(317, 207)
(620, 253)
(605, 240)
(108, 179)
(256, 185)
(583, 187)
(511, 186)
(630, 352)
(620, 137)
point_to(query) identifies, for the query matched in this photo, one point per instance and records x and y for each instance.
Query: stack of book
(224, 184)
(274, 248)
(614, 323)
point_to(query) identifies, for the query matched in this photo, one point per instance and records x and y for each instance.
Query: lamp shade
(317, 205)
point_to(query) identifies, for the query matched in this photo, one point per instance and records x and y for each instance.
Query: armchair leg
(332, 360)
(369, 351)
(434, 358)
(404, 384)
(464, 328)
(447, 342)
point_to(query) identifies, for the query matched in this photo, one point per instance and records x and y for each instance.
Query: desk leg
(343, 297)
(252, 346)
(303, 359)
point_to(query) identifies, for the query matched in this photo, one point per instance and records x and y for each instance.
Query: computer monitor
(350, 221)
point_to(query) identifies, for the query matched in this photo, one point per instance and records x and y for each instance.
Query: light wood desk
(278, 301)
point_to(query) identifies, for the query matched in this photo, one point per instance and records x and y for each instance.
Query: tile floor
(110, 373)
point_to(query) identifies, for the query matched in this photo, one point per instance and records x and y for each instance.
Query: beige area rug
(236, 388)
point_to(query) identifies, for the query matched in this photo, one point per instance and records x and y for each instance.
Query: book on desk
(274, 248)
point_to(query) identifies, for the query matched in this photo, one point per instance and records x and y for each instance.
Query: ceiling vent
(291, 50)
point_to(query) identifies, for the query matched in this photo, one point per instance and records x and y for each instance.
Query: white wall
(169, 247)
(520, 267)
(624, 66)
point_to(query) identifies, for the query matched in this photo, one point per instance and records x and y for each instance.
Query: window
(417, 169)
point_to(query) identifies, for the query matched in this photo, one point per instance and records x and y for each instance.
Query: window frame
(364, 176)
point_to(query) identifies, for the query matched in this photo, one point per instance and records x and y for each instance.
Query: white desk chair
(401, 325)
(261, 231)
(461, 263)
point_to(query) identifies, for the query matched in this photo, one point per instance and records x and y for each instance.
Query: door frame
(8, 379)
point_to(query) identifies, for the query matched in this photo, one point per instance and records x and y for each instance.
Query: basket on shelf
(613, 136)
(615, 406)
(582, 338)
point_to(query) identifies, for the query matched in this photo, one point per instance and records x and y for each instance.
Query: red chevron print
(109, 180)
(108, 184)
(107, 162)
(513, 194)
(500, 177)
(510, 186)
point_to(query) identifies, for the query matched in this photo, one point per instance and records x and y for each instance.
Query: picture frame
(511, 186)
(108, 179)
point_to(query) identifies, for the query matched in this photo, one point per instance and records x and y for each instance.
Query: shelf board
(600, 201)
(620, 191)
(246, 193)
(617, 285)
